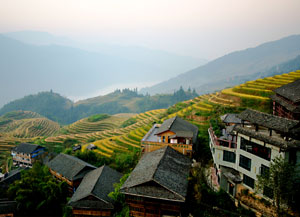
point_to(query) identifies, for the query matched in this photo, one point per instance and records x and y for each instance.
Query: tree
(37, 193)
(121, 207)
(278, 182)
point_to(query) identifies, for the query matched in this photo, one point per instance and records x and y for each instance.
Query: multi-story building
(251, 146)
(25, 154)
(286, 101)
(174, 132)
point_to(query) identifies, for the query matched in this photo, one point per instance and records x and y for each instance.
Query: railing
(220, 142)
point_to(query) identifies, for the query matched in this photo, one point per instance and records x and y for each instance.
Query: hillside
(199, 111)
(64, 111)
(124, 136)
(28, 68)
(234, 68)
(26, 124)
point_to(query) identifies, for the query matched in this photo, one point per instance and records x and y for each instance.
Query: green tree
(37, 193)
(121, 208)
(279, 182)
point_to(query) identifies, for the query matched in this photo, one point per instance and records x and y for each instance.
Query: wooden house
(158, 184)
(174, 132)
(25, 154)
(91, 198)
(70, 169)
(286, 101)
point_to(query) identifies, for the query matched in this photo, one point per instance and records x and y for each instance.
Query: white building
(247, 149)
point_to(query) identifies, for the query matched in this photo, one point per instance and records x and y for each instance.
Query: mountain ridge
(243, 62)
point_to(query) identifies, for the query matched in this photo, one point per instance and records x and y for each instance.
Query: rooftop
(69, 166)
(97, 183)
(288, 106)
(179, 126)
(290, 91)
(264, 136)
(26, 148)
(273, 122)
(160, 174)
(231, 118)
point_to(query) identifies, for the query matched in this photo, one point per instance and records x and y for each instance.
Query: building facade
(255, 142)
(25, 154)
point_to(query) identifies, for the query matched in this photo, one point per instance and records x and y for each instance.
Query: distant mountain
(35, 61)
(231, 69)
(64, 111)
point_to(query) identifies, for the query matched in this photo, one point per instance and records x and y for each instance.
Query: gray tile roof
(290, 91)
(97, 183)
(26, 148)
(288, 106)
(160, 174)
(180, 126)
(231, 118)
(69, 166)
(278, 142)
(274, 122)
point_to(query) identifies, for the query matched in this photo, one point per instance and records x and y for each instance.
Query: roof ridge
(97, 178)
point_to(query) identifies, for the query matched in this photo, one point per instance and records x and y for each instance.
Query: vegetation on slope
(64, 111)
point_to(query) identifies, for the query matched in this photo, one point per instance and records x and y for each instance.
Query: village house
(69, 169)
(286, 101)
(249, 148)
(158, 184)
(91, 197)
(25, 154)
(174, 132)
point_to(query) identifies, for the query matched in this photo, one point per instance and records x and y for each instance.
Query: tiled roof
(278, 142)
(180, 126)
(160, 174)
(97, 183)
(274, 122)
(69, 166)
(26, 148)
(288, 106)
(231, 118)
(290, 91)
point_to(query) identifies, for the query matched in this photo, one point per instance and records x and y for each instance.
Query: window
(248, 181)
(245, 162)
(264, 170)
(229, 156)
(256, 149)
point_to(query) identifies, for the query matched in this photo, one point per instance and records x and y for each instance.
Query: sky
(199, 28)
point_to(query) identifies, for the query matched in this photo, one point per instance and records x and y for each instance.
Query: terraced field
(144, 119)
(201, 108)
(261, 89)
(86, 126)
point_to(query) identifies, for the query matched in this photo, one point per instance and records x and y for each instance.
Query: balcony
(221, 142)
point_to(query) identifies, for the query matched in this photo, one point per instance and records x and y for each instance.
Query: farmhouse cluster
(158, 185)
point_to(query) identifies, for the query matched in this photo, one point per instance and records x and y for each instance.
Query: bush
(98, 117)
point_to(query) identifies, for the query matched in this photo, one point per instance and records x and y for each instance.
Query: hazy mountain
(229, 69)
(48, 62)
(64, 111)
